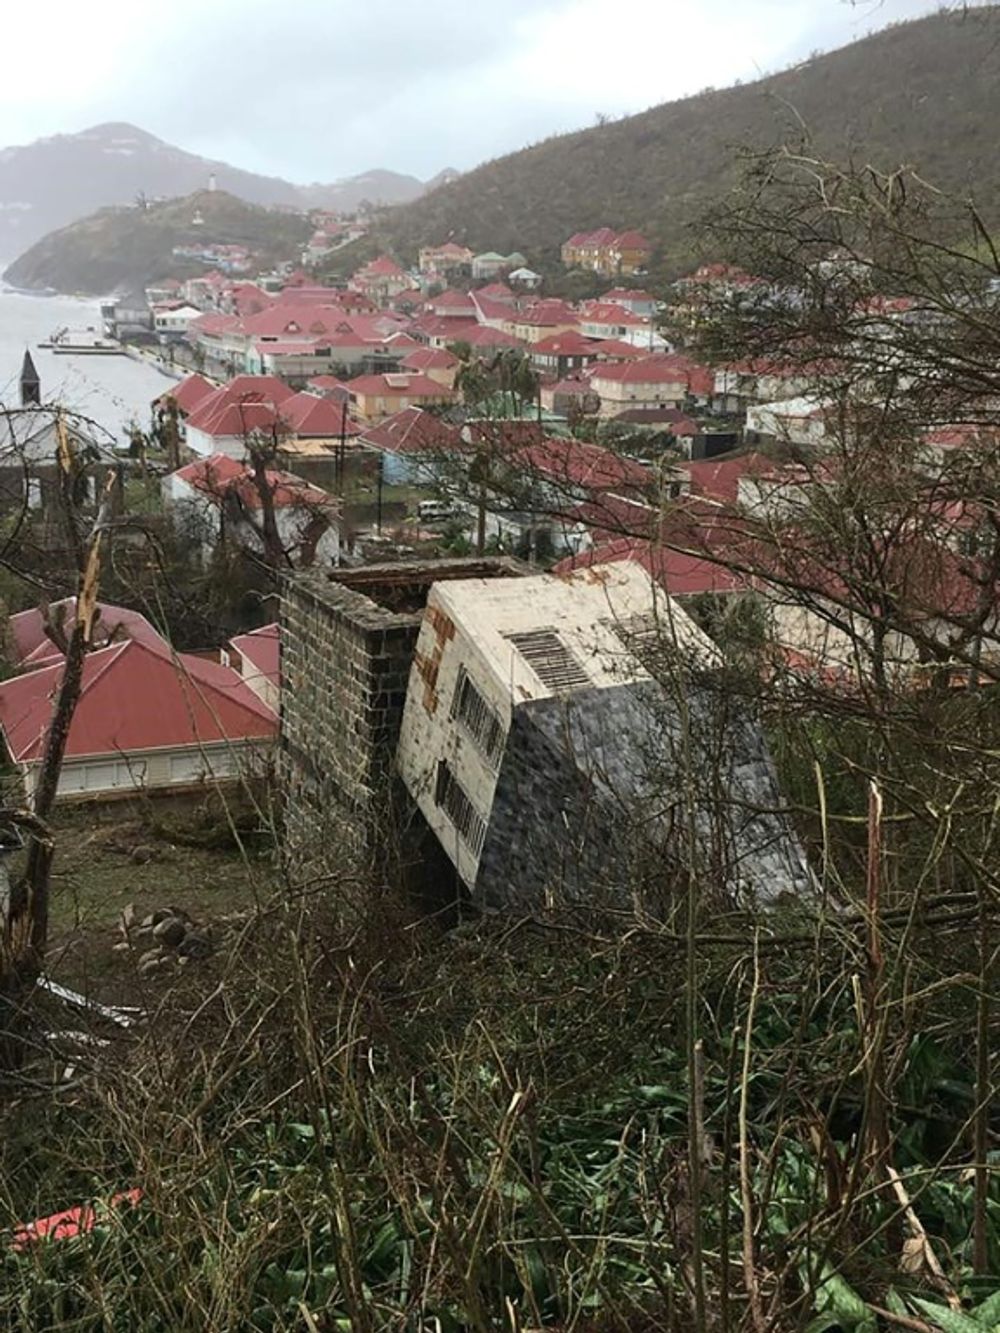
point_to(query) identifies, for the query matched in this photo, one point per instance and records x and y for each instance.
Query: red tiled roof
(606, 312)
(135, 696)
(413, 385)
(719, 478)
(383, 267)
(615, 349)
(32, 645)
(210, 474)
(219, 475)
(189, 392)
(586, 465)
(262, 649)
(497, 291)
(680, 573)
(430, 358)
(411, 431)
(655, 369)
(483, 336)
(451, 300)
(234, 416)
(570, 343)
(311, 415)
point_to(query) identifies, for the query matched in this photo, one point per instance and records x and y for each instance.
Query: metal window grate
(478, 719)
(549, 658)
(451, 797)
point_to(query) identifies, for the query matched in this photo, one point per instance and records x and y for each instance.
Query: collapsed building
(558, 738)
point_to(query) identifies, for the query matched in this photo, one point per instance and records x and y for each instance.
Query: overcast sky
(318, 89)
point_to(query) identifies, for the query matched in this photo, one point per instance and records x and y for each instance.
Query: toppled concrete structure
(570, 738)
(347, 643)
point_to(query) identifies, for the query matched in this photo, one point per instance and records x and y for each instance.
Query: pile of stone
(172, 933)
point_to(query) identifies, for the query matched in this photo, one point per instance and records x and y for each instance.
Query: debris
(195, 944)
(170, 931)
(70, 1222)
(123, 1015)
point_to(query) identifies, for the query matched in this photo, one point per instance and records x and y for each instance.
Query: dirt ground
(178, 854)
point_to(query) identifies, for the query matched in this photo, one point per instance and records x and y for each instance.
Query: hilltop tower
(31, 385)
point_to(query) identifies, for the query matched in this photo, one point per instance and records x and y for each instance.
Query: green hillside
(924, 93)
(126, 248)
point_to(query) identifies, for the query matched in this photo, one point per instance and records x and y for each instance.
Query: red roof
(189, 392)
(312, 415)
(680, 573)
(483, 336)
(497, 291)
(411, 431)
(607, 312)
(615, 349)
(230, 417)
(262, 649)
(264, 386)
(430, 358)
(247, 403)
(655, 369)
(218, 476)
(632, 240)
(402, 384)
(33, 646)
(135, 697)
(586, 465)
(719, 478)
(452, 300)
(383, 267)
(570, 343)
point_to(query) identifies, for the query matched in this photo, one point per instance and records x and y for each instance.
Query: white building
(552, 763)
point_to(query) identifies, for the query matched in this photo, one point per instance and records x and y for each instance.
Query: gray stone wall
(347, 644)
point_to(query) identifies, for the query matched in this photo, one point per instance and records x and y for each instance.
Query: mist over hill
(54, 181)
(923, 93)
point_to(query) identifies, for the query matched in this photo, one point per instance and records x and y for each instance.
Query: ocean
(113, 390)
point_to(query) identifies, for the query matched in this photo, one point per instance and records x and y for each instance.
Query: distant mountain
(125, 248)
(46, 184)
(922, 93)
(372, 187)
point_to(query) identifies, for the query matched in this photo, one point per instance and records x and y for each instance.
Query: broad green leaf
(987, 1312)
(949, 1321)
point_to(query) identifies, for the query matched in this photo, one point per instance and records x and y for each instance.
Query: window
(549, 658)
(478, 719)
(451, 797)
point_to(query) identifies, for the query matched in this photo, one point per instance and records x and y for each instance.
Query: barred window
(478, 719)
(451, 797)
(549, 658)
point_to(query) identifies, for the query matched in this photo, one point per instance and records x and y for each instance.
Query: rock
(148, 957)
(128, 916)
(154, 918)
(142, 854)
(122, 946)
(170, 931)
(195, 944)
(152, 964)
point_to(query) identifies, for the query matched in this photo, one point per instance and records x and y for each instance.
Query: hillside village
(500, 775)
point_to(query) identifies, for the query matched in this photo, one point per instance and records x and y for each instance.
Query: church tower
(31, 385)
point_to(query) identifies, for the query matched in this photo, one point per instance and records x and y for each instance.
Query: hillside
(126, 248)
(922, 92)
(46, 184)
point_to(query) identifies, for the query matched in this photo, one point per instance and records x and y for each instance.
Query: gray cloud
(315, 89)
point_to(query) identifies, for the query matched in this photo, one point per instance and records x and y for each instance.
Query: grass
(121, 853)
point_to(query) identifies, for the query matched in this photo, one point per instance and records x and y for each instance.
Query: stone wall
(347, 644)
